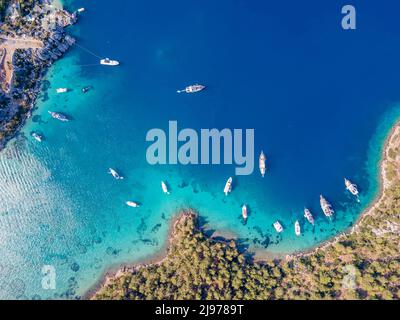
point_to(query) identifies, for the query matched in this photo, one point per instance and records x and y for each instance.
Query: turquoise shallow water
(265, 68)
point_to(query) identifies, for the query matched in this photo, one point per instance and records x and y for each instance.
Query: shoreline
(383, 185)
(47, 45)
(159, 257)
(58, 4)
(154, 259)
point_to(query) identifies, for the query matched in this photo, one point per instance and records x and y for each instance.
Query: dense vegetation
(17, 98)
(362, 265)
(3, 6)
(24, 5)
(24, 79)
(199, 268)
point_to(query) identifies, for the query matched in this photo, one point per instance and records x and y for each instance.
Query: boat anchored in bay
(326, 207)
(164, 187)
(308, 216)
(297, 229)
(109, 62)
(132, 204)
(228, 186)
(278, 227)
(244, 213)
(192, 89)
(62, 90)
(261, 163)
(115, 174)
(86, 89)
(59, 116)
(37, 136)
(351, 187)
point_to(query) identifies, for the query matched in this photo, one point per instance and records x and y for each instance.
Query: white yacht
(244, 212)
(308, 216)
(351, 187)
(192, 89)
(59, 116)
(164, 187)
(115, 174)
(109, 62)
(37, 136)
(132, 204)
(228, 186)
(297, 229)
(278, 227)
(326, 207)
(80, 10)
(62, 90)
(261, 163)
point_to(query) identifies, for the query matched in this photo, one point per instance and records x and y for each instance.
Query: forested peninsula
(363, 263)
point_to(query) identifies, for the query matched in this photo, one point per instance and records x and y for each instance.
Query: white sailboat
(59, 116)
(244, 212)
(62, 90)
(278, 227)
(192, 89)
(228, 186)
(132, 204)
(261, 163)
(308, 216)
(115, 174)
(351, 187)
(37, 136)
(109, 62)
(297, 229)
(326, 207)
(164, 187)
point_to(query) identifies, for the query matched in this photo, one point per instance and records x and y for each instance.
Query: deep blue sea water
(321, 101)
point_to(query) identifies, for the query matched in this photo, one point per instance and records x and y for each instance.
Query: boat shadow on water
(39, 120)
(69, 117)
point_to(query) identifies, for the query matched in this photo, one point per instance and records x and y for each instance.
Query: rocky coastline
(31, 40)
(369, 248)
